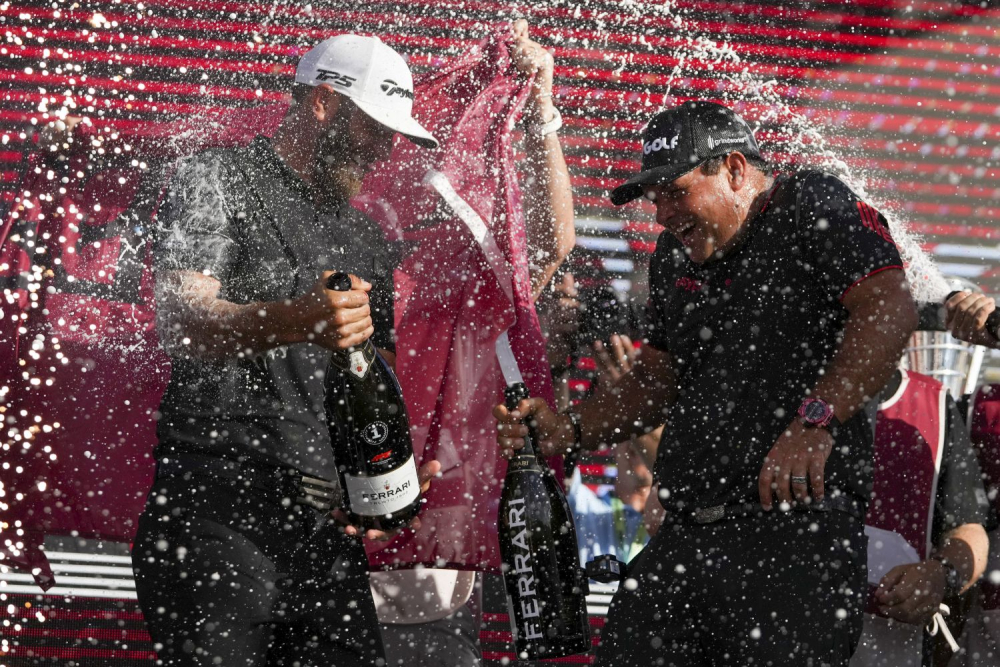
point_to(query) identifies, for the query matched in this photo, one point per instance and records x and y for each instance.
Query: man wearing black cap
(778, 309)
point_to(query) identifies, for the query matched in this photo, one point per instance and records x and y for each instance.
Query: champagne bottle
(546, 587)
(370, 432)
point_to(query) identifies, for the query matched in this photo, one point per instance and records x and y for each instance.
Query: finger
(798, 480)
(629, 346)
(355, 339)
(427, 472)
(952, 308)
(765, 482)
(783, 483)
(567, 286)
(352, 327)
(888, 583)
(984, 309)
(817, 479)
(378, 535)
(344, 300)
(530, 406)
(359, 283)
(619, 347)
(901, 592)
(604, 359)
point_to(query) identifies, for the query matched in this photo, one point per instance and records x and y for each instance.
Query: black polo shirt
(750, 333)
(243, 217)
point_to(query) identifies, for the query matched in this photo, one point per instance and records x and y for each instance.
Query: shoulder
(212, 168)
(924, 382)
(824, 189)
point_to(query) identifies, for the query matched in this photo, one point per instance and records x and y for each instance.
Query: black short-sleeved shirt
(749, 334)
(243, 217)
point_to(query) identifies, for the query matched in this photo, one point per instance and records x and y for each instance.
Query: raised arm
(548, 193)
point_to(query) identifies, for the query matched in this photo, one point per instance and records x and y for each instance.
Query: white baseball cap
(374, 76)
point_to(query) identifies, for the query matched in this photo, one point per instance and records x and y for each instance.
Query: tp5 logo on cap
(336, 78)
(659, 144)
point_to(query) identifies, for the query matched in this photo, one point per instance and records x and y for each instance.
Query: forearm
(549, 204)
(193, 321)
(967, 548)
(875, 334)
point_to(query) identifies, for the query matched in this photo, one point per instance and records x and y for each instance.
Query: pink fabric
(88, 476)
(455, 296)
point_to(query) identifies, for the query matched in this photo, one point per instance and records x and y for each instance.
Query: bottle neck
(357, 360)
(514, 394)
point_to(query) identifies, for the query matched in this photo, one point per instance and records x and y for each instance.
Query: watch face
(814, 412)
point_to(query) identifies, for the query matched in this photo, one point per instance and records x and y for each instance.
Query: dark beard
(336, 180)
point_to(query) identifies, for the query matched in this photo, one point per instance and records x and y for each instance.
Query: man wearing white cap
(231, 567)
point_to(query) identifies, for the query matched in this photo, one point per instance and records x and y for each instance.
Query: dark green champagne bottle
(546, 587)
(370, 432)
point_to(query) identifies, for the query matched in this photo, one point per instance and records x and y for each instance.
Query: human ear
(323, 102)
(737, 170)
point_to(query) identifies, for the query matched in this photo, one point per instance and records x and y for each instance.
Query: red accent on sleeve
(867, 276)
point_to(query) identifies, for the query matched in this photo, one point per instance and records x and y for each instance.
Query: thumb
(359, 283)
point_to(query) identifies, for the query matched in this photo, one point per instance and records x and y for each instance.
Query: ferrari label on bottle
(527, 595)
(378, 495)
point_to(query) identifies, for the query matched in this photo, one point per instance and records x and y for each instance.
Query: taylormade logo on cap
(375, 77)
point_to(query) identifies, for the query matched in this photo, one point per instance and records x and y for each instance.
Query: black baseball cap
(679, 139)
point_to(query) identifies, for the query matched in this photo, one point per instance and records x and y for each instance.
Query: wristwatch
(953, 580)
(817, 413)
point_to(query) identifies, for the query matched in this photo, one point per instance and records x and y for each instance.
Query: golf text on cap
(390, 88)
(713, 142)
(659, 144)
(336, 78)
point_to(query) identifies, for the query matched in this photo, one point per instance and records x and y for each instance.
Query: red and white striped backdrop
(905, 90)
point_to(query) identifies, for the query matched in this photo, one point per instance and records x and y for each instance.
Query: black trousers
(237, 576)
(779, 589)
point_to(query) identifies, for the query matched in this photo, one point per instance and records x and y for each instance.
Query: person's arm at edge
(966, 320)
(967, 548)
